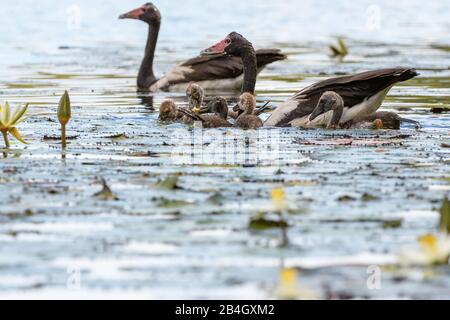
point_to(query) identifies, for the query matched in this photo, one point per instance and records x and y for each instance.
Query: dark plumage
(207, 70)
(362, 93)
(389, 120)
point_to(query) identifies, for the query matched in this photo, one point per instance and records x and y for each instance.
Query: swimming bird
(218, 72)
(246, 107)
(363, 93)
(217, 119)
(168, 111)
(331, 107)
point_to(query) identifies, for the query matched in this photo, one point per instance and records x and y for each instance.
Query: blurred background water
(50, 223)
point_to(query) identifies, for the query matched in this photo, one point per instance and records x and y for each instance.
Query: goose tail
(268, 56)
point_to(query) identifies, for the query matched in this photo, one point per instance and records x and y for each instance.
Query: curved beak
(133, 14)
(217, 49)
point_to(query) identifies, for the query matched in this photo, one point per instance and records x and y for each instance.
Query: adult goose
(363, 93)
(212, 72)
(331, 101)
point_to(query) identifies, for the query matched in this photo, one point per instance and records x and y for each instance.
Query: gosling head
(167, 110)
(219, 106)
(246, 103)
(195, 95)
(378, 124)
(328, 101)
(148, 13)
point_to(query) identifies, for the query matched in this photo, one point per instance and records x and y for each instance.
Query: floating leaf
(368, 197)
(216, 199)
(118, 136)
(106, 193)
(169, 203)
(170, 183)
(261, 223)
(346, 198)
(444, 223)
(392, 224)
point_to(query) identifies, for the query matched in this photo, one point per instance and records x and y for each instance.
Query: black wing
(203, 68)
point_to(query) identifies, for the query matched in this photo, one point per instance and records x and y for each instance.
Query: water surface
(195, 242)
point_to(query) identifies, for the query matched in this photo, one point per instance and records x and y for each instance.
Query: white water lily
(9, 121)
(432, 250)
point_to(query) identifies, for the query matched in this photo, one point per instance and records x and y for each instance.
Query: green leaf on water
(170, 204)
(444, 223)
(216, 199)
(259, 222)
(106, 193)
(346, 198)
(392, 224)
(368, 197)
(169, 183)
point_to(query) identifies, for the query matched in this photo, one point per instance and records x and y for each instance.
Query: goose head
(218, 106)
(246, 104)
(234, 44)
(167, 110)
(328, 101)
(148, 13)
(195, 95)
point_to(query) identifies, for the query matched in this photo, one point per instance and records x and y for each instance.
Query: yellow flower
(9, 121)
(278, 199)
(288, 288)
(432, 251)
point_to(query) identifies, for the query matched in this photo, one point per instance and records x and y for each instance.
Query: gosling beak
(315, 114)
(237, 108)
(196, 110)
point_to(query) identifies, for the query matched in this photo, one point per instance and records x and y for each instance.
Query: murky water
(195, 241)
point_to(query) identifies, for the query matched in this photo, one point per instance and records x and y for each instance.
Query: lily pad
(259, 222)
(169, 183)
(444, 223)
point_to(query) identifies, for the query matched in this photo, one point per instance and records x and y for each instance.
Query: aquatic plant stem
(63, 136)
(5, 138)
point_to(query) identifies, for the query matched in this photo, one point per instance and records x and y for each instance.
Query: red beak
(218, 48)
(133, 14)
